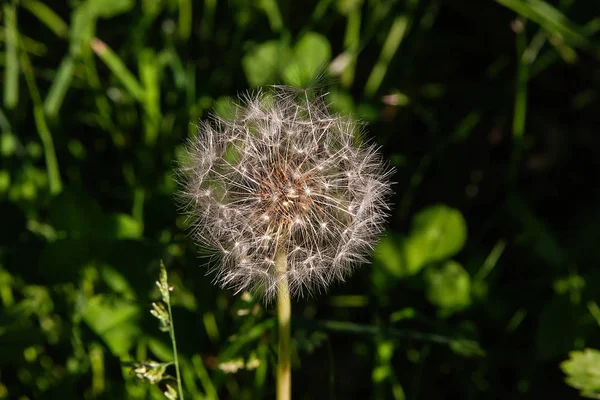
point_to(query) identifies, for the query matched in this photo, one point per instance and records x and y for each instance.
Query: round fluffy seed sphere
(284, 176)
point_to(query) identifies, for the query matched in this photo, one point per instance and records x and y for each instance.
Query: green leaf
(399, 256)
(312, 53)
(448, 286)
(115, 320)
(438, 232)
(80, 216)
(122, 226)
(583, 371)
(441, 232)
(117, 282)
(261, 64)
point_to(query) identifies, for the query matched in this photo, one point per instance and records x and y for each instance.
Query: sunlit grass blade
(59, 87)
(272, 12)
(352, 44)
(520, 105)
(42, 127)
(117, 67)
(185, 19)
(11, 64)
(148, 69)
(208, 18)
(520, 109)
(392, 42)
(550, 19)
(47, 16)
(204, 377)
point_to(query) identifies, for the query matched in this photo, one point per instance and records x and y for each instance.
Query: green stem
(42, 127)
(284, 312)
(174, 342)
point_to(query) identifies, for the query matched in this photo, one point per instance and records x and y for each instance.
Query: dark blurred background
(485, 281)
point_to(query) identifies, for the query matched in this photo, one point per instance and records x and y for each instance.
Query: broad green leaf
(225, 108)
(80, 216)
(583, 371)
(261, 63)
(311, 55)
(122, 226)
(448, 286)
(117, 282)
(115, 320)
(440, 230)
(399, 257)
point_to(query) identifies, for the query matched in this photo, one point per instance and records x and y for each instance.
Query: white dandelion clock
(288, 196)
(284, 179)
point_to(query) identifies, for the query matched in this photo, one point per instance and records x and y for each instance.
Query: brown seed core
(285, 195)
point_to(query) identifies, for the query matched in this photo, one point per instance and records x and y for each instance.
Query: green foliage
(583, 371)
(115, 321)
(437, 233)
(449, 286)
(487, 110)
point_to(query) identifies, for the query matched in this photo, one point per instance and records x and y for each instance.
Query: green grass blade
(520, 110)
(203, 375)
(148, 68)
(392, 42)
(42, 127)
(271, 9)
(48, 17)
(59, 87)
(520, 107)
(185, 19)
(352, 44)
(117, 67)
(550, 19)
(208, 18)
(11, 69)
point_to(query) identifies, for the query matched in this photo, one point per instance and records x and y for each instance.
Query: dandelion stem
(284, 311)
(175, 358)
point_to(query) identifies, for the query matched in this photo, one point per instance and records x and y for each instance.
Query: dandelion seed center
(285, 199)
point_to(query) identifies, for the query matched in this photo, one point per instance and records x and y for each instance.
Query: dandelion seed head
(284, 174)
